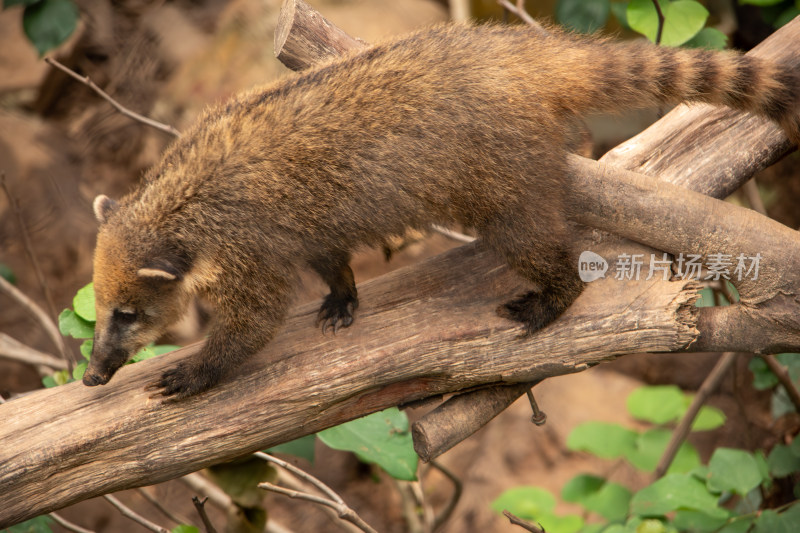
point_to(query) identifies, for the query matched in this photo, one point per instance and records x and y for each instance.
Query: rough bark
(421, 332)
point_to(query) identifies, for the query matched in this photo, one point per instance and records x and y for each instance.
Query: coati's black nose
(90, 380)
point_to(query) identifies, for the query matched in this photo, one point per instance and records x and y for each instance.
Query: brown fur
(455, 123)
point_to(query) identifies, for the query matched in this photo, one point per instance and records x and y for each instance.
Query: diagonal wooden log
(421, 332)
(698, 147)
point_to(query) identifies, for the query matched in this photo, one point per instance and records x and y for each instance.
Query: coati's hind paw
(180, 382)
(533, 309)
(336, 312)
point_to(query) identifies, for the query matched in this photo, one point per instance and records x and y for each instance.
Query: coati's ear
(169, 266)
(156, 274)
(103, 208)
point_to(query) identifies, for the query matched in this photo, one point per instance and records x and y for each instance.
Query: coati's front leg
(242, 326)
(338, 307)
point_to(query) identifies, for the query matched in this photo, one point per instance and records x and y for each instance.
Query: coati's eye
(124, 316)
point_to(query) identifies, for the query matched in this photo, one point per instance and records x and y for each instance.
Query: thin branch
(660, 21)
(522, 523)
(66, 524)
(133, 515)
(27, 303)
(335, 501)
(119, 107)
(710, 384)
(11, 348)
(200, 505)
(458, 487)
(456, 236)
(39, 314)
(519, 11)
(158, 505)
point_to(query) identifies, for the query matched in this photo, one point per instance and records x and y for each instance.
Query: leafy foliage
(690, 497)
(383, 438)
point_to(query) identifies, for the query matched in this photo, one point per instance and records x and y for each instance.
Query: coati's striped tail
(642, 75)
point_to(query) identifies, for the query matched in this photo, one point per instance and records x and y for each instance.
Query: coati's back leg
(538, 248)
(338, 307)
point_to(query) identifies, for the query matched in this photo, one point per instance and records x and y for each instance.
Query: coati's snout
(103, 366)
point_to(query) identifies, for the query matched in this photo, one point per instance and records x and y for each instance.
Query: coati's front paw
(533, 309)
(180, 382)
(336, 312)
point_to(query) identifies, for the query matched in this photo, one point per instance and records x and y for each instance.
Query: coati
(455, 123)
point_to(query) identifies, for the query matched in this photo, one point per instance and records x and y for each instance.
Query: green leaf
(79, 370)
(71, 325)
(786, 16)
(553, 523)
(609, 500)
(674, 492)
(650, 526)
(161, 349)
(782, 461)
(657, 404)
(302, 447)
(183, 528)
(83, 303)
(528, 503)
(86, 348)
(738, 525)
(683, 19)
(650, 446)
(581, 487)
(771, 522)
(383, 438)
(763, 378)
(697, 521)
(7, 274)
(708, 418)
(40, 524)
(55, 379)
(706, 298)
(49, 23)
(583, 16)
(733, 470)
(602, 439)
(145, 353)
(710, 38)
(240, 478)
(620, 11)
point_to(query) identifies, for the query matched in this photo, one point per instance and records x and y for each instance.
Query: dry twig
(519, 11)
(442, 517)
(166, 128)
(522, 523)
(158, 505)
(333, 500)
(133, 515)
(37, 313)
(200, 505)
(709, 385)
(11, 348)
(66, 524)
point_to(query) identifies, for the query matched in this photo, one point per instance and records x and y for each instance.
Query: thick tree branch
(421, 332)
